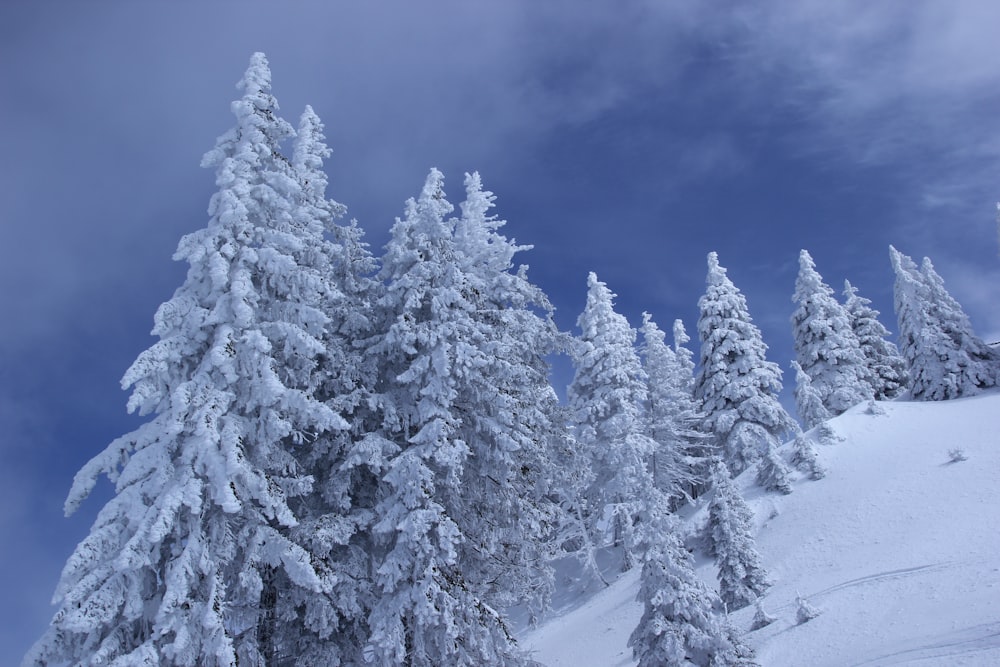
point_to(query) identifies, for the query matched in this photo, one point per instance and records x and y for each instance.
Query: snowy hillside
(898, 548)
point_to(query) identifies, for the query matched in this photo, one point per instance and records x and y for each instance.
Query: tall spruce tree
(181, 564)
(736, 385)
(672, 412)
(510, 414)
(607, 397)
(946, 359)
(826, 346)
(330, 627)
(466, 403)
(887, 366)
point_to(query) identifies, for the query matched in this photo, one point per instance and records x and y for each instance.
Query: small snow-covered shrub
(761, 618)
(804, 457)
(874, 408)
(805, 611)
(826, 435)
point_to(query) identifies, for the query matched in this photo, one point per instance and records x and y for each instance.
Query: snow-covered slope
(898, 547)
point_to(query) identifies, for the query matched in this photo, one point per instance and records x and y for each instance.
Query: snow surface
(898, 547)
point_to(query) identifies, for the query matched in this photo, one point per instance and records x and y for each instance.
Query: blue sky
(626, 138)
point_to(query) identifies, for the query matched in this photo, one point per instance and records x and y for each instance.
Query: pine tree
(736, 385)
(680, 624)
(684, 356)
(671, 411)
(606, 398)
(887, 366)
(808, 401)
(466, 402)
(945, 358)
(826, 346)
(181, 564)
(510, 414)
(742, 578)
(330, 627)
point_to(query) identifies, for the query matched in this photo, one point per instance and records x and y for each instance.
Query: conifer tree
(181, 564)
(606, 398)
(742, 578)
(808, 401)
(510, 414)
(680, 624)
(684, 356)
(804, 457)
(946, 359)
(671, 411)
(736, 385)
(331, 627)
(826, 346)
(466, 403)
(826, 435)
(772, 472)
(887, 366)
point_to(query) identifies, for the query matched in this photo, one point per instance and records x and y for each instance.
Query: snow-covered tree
(804, 457)
(761, 619)
(742, 578)
(827, 435)
(804, 610)
(945, 358)
(736, 385)
(672, 412)
(466, 403)
(681, 623)
(606, 398)
(331, 627)
(510, 414)
(772, 472)
(684, 356)
(873, 408)
(181, 565)
(808, 401)
(887, 366)
(826, 346)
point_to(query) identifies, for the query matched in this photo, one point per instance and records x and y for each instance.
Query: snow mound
(897, 549)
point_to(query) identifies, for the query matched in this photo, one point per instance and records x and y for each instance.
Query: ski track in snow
(965, 643)
(881, 576)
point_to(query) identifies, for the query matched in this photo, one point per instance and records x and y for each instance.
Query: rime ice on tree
(736, 385)
(466, 403)
(808, 400)
(181, 564)
(606, 399)
(887, 366)
(672, 412)
(679, 624)
(742, 578)
(826, 346)
(945, 358)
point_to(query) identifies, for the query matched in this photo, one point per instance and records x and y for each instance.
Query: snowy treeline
(355, 459)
